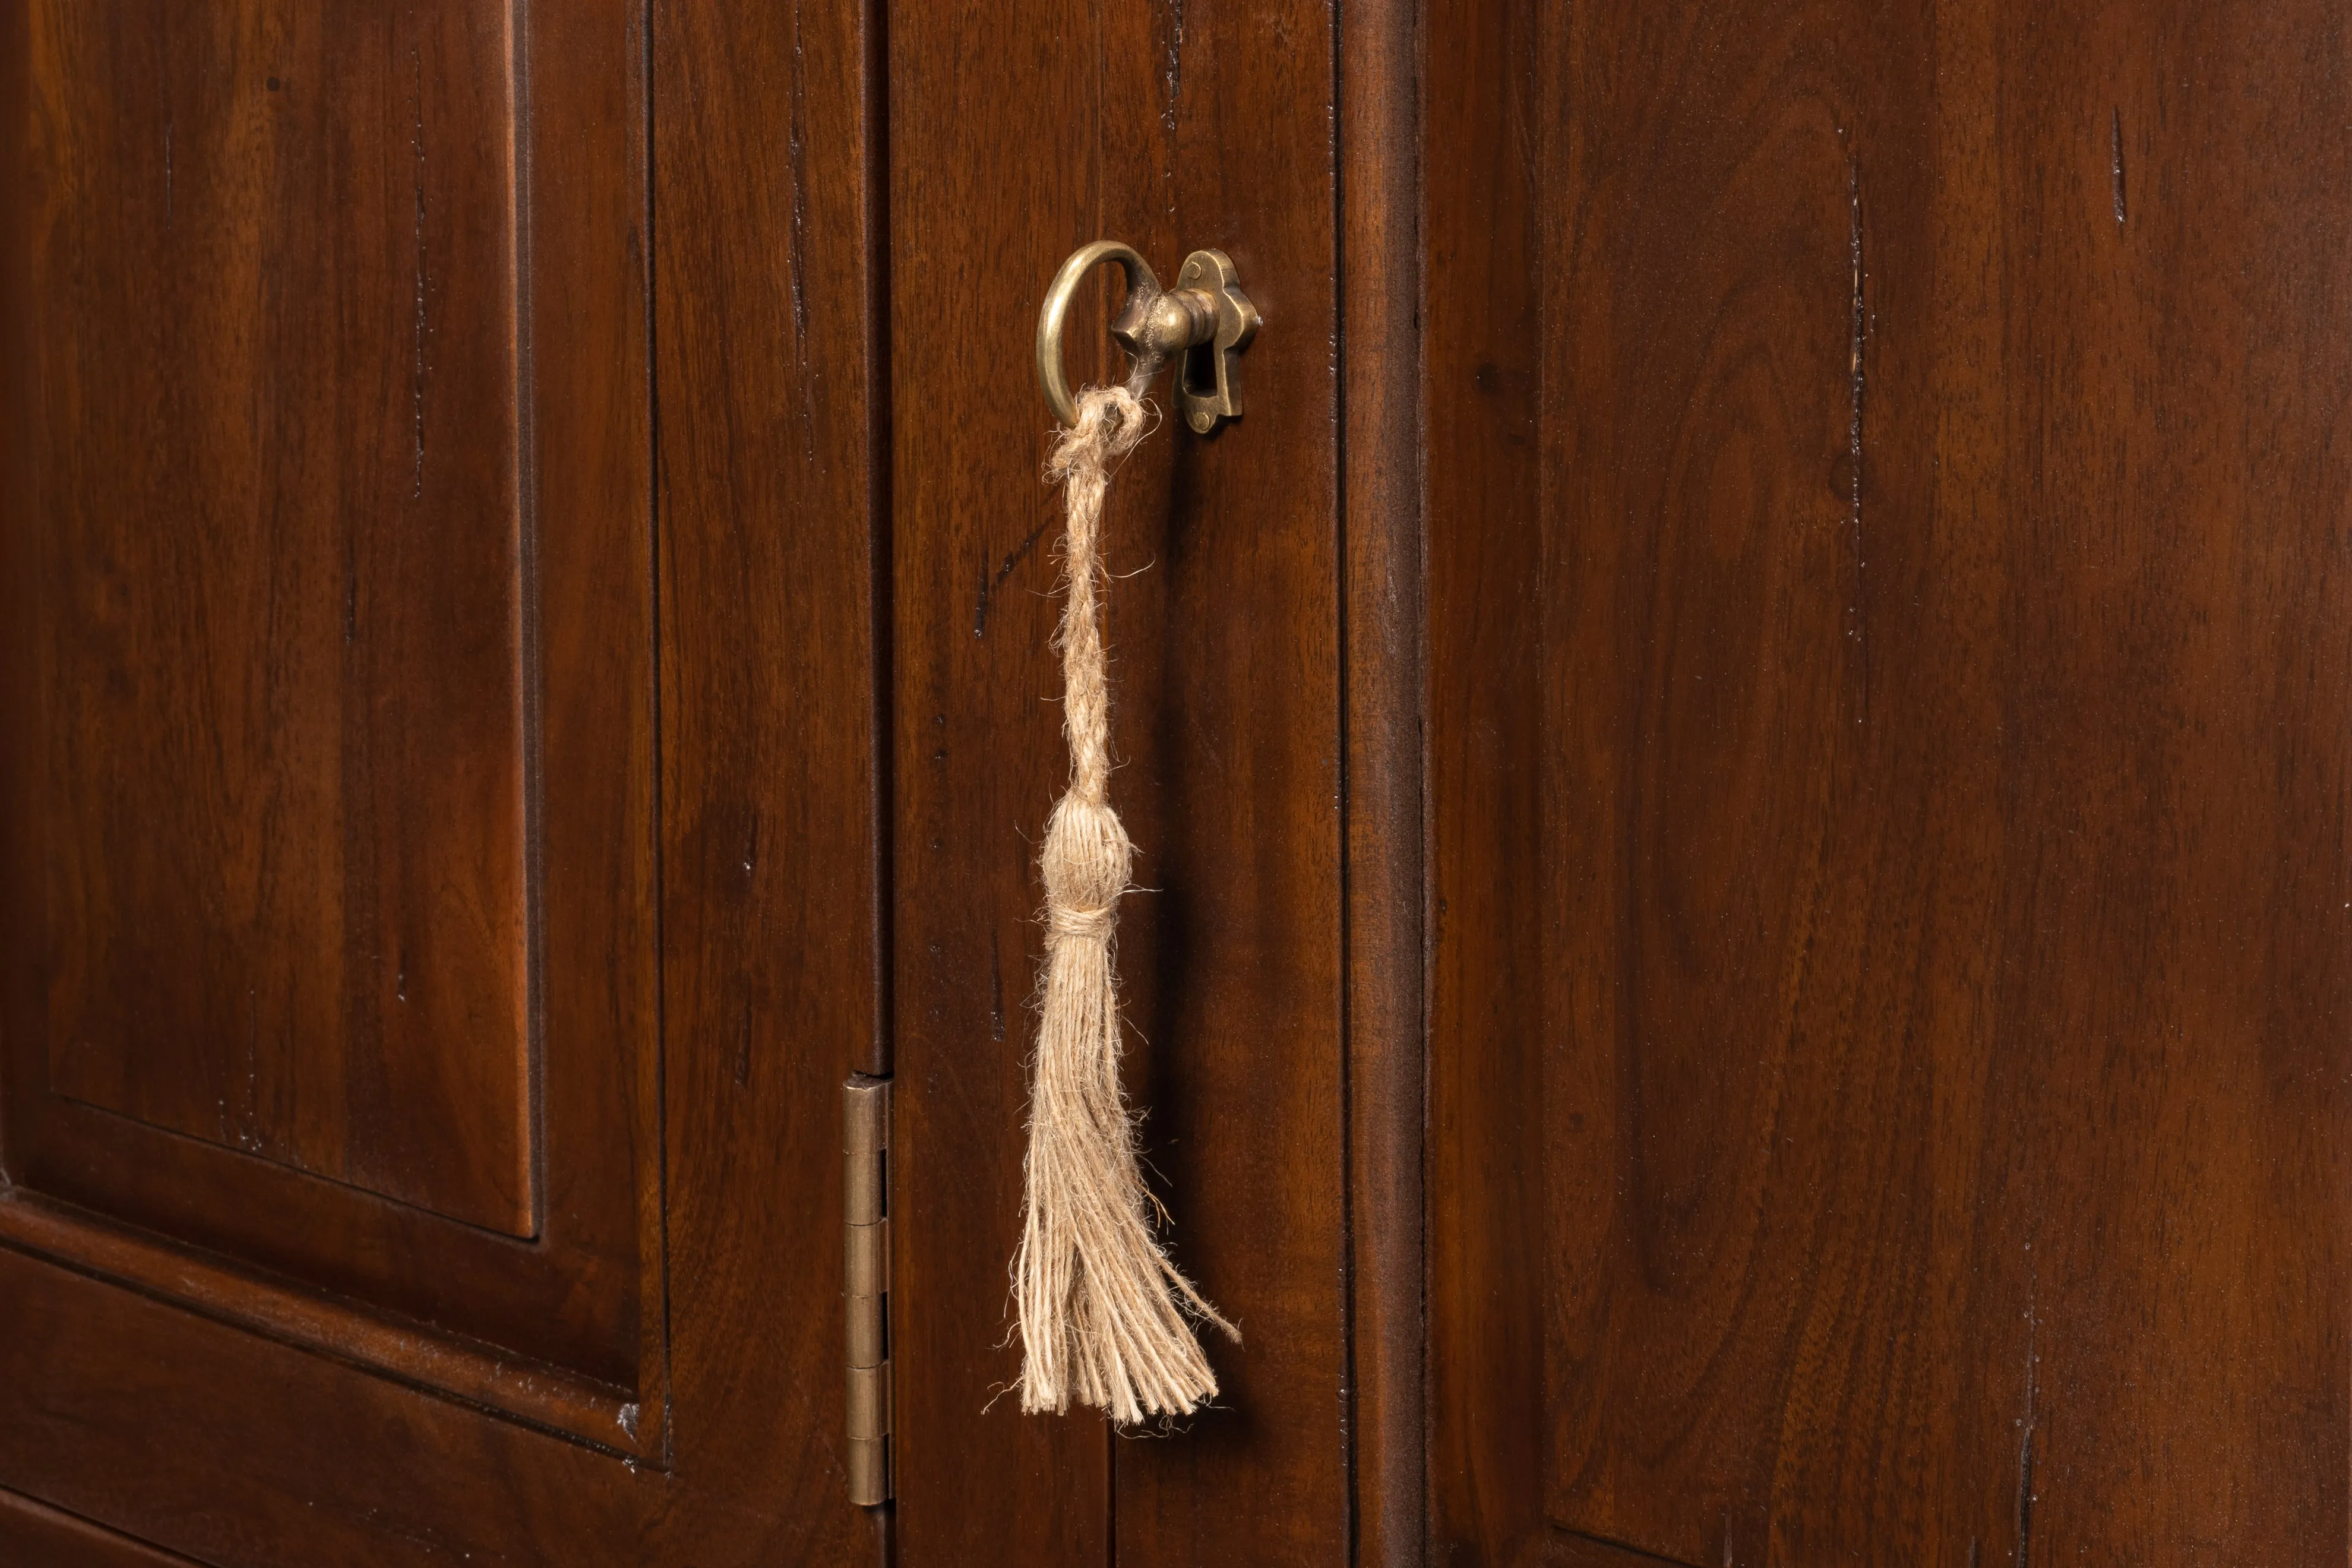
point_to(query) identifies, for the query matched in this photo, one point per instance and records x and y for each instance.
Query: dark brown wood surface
(698, 608)
(499, 711)
(41, 1537)
(1383, 614)
(296, 927)
(1887, 698)
(280, 556)
(1382, 429)
(771, 515)
(1484, 1165)
(1017, 135)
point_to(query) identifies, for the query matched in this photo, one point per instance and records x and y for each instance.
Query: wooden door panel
(122, 1440)
(329, 923)
(280, 609)
(1888, 759)
(1020, 134)
(1727, 814)
(225, 1350)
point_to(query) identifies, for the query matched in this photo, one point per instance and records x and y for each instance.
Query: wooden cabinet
(438, 857)
(1888, 735)
(1741, 765)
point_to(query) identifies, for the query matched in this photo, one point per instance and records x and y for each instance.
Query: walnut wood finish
(279, 421)
(1889, 748)
(42, 1538)
(697, 605)
(1382, 618)
(502, 711)
(1210, 127)
(297, 926)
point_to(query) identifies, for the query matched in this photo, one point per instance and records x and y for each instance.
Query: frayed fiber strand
(1105, 1316)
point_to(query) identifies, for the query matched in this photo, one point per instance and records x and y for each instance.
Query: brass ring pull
(1142, 289)
(1204, 321)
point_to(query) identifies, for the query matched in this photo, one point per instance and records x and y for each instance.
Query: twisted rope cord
(1102, 1310)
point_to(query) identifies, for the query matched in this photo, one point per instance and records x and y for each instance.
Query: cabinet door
(1891, 721)
(436, 868)
(1018, 133)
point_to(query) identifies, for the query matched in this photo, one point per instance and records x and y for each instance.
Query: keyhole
(1200, 370)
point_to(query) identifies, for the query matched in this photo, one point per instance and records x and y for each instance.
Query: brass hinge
(865, 1146)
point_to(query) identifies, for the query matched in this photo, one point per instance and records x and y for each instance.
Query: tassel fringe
(1103, 1312)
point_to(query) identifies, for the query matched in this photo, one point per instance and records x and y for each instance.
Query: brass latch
(1202, 323)
(866, 1171)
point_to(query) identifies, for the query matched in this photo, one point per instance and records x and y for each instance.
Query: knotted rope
(1102, 1309)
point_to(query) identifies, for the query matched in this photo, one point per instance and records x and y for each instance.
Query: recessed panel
(278, 587)
(325, 535)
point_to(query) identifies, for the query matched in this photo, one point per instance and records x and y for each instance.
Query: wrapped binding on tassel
(1104, 1313)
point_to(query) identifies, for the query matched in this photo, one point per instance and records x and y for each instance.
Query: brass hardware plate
(1205, 375)
(1203, 324)
(866, 1283)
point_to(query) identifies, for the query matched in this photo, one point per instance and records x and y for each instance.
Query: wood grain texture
(273, 527)
(1481, 287)
(2175, 945)
(1890, 918)
(1383, 611)
(722, 1151)
(766, 215)
(220, 1447)
(36, 1536)
(289, 1313)
(1746, 797)
(1210, 127)
(335, 232)
(1566, 1548)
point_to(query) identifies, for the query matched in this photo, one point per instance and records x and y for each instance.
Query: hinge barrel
(865, 1293)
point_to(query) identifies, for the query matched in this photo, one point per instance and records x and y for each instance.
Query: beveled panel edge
(1561, 1547)
(65, 1538)
(366, 1068)
(584, 126)
(565, 1404)
(332, 1240)
(612, 1213)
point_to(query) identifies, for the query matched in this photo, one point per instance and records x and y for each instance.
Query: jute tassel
(1102, 1309)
